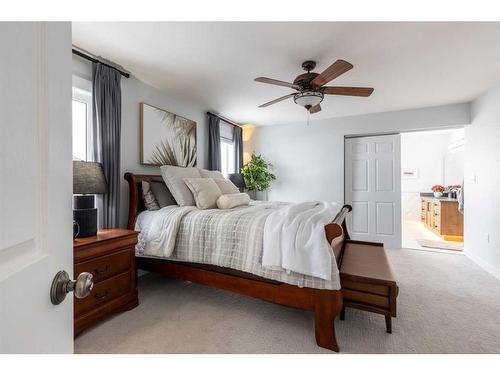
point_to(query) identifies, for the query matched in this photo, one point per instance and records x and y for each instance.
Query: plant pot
(261, 195)
(438, 194)
(252, 194)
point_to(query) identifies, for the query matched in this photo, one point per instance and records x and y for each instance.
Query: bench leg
(388, 324)
(342, 313)
(328, 305)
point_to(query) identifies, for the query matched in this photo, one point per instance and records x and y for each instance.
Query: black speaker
(84, 215)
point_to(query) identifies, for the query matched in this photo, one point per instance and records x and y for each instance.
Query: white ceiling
(410, 65)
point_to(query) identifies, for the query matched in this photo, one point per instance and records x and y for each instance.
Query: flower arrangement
(438, 188)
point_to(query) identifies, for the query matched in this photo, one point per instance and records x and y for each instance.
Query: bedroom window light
(227, 157)
(227, 154)
(82, 124)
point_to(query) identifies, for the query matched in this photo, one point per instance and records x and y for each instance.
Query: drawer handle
(101, 296)
(102, 270)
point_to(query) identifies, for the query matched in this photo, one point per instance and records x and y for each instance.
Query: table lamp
(88, 179)
(238, 180)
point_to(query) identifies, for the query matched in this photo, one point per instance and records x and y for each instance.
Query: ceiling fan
(310, 86)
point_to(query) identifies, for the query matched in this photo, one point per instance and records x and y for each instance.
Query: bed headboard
(135, 202)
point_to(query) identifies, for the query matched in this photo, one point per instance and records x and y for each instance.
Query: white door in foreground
(35, 186)
(373, 188)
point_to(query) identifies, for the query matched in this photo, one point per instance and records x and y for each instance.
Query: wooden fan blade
(315, 109)
(333, 71)
(350, 91)
(276, 82)
(276, 100)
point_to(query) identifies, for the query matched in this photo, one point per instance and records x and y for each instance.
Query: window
(82, 124)
(227, 157)
(227, 154)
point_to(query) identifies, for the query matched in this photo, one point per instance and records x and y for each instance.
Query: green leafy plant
(257, 173)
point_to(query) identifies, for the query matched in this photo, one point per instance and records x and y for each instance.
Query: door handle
(62, 285)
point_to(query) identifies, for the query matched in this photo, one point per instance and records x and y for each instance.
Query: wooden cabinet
(443, 218)
(110, 257)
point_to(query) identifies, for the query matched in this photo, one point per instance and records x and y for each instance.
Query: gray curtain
(238, 148)
(107, 103)
(214, 163)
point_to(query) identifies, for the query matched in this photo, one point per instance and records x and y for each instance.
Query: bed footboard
(326, 304)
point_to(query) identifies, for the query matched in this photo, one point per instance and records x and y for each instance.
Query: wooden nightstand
(110, 257)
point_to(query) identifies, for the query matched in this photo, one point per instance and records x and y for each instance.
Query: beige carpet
(447, 304)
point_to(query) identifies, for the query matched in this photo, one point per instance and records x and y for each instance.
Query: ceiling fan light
(308, 99)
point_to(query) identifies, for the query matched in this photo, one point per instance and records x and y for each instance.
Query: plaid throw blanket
(227, 238)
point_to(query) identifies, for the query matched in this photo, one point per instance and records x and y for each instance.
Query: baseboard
(495, 271)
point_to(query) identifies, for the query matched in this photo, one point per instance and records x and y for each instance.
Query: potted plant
(257, 174)
(438, 190)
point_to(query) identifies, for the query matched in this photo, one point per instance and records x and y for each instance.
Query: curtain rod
(89, 57)
(224, 119)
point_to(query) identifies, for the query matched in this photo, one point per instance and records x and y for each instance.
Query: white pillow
(226, 186)
(173, 178)
(205, 192)
(210, 174)
(226, 201)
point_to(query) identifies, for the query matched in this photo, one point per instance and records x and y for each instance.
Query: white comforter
(294, 239)
(234, 239)
(162, 233)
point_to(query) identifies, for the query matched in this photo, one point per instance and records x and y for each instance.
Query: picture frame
(166, 138)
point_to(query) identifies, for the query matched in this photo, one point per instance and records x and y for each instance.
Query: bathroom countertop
(442, 199)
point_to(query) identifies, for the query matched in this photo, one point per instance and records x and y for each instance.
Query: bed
(239, 273)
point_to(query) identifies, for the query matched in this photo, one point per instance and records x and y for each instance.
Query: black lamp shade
(88, 178)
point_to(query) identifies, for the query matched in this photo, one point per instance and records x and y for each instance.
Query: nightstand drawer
(106, 266)
(104, 292)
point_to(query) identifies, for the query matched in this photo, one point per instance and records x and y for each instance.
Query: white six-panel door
(373, 188)
(35, 186)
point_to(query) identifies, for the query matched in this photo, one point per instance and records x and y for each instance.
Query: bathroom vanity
(441, 215)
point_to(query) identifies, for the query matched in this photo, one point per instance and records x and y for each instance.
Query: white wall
(428, 152)
(134, 92)
(482, 181)
(309, 160)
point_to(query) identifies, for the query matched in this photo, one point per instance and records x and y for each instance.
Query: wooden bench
(366, 276)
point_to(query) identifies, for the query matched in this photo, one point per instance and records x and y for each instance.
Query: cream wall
(482, 181)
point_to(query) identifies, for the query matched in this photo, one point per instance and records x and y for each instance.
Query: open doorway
(432, 160)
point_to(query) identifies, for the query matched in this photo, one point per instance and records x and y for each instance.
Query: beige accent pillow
(226, 186)
(210, 174)
(173, 177)
(205, 192)
(227, 201)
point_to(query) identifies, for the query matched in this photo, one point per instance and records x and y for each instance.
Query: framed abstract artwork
(166, 138)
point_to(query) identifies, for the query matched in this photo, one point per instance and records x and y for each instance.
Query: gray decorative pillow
(173, 177)
(205, 192)
(162, 195)
(149, 198)
(210, 174)
(226, 186)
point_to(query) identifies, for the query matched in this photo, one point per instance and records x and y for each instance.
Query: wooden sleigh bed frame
(326, 304)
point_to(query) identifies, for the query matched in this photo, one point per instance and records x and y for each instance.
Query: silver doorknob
(62, 285)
